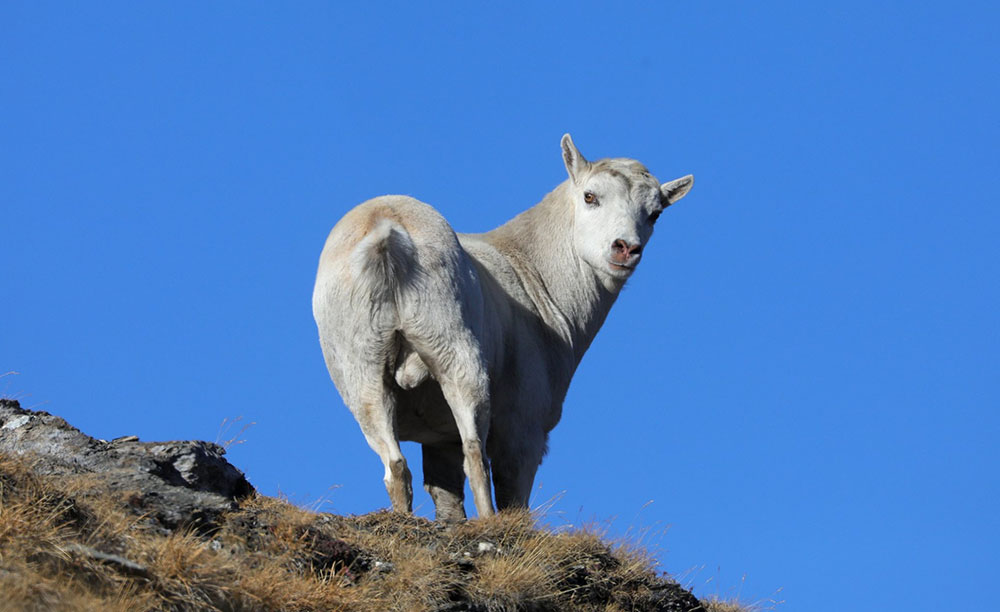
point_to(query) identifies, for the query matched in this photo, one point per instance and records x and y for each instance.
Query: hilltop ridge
(89, 524)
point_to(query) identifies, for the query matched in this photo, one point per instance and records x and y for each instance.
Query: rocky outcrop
(243, 551)
(173, 484)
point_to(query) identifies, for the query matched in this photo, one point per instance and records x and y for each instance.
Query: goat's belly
(422, 415)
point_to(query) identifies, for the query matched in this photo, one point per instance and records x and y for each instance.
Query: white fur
(467, 343)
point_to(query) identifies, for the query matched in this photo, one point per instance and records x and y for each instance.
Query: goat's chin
(612, 276)
(619, 270)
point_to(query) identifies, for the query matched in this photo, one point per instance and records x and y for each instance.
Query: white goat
(467, 343)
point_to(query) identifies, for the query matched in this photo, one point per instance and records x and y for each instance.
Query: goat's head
(615, 204)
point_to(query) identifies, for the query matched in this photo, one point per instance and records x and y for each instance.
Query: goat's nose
(623, 248)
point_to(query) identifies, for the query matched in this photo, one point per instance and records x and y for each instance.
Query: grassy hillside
(70, 540)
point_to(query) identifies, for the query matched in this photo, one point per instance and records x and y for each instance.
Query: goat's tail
(383, 261)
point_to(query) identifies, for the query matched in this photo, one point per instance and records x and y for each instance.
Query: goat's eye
(589, 197)
(653, 217)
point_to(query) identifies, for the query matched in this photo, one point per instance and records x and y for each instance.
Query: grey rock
(486, 547)
(122, 564)
(17, 422)
(174, 484)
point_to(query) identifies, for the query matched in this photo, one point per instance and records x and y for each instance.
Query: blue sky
(810, 396)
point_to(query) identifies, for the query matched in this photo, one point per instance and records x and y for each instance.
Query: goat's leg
(377, 417)
(514, 473)
(445, 328)
(513, 478)
(471, 408)
(453, 357)
(445, 480)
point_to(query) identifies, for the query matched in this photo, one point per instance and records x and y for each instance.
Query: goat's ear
(676, 189)
(575, 162)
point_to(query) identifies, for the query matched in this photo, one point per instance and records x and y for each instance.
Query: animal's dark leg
(444, 479)
(514, 475)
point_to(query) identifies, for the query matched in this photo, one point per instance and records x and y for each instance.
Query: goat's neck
(567, 292)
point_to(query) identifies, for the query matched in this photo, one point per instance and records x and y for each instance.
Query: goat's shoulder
(499, 271)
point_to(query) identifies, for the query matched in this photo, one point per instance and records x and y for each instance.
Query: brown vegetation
(62, 547)
(87, 524)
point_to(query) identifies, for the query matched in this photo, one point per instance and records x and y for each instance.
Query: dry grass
(715, 604)
(64, 548)
(718, 605)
